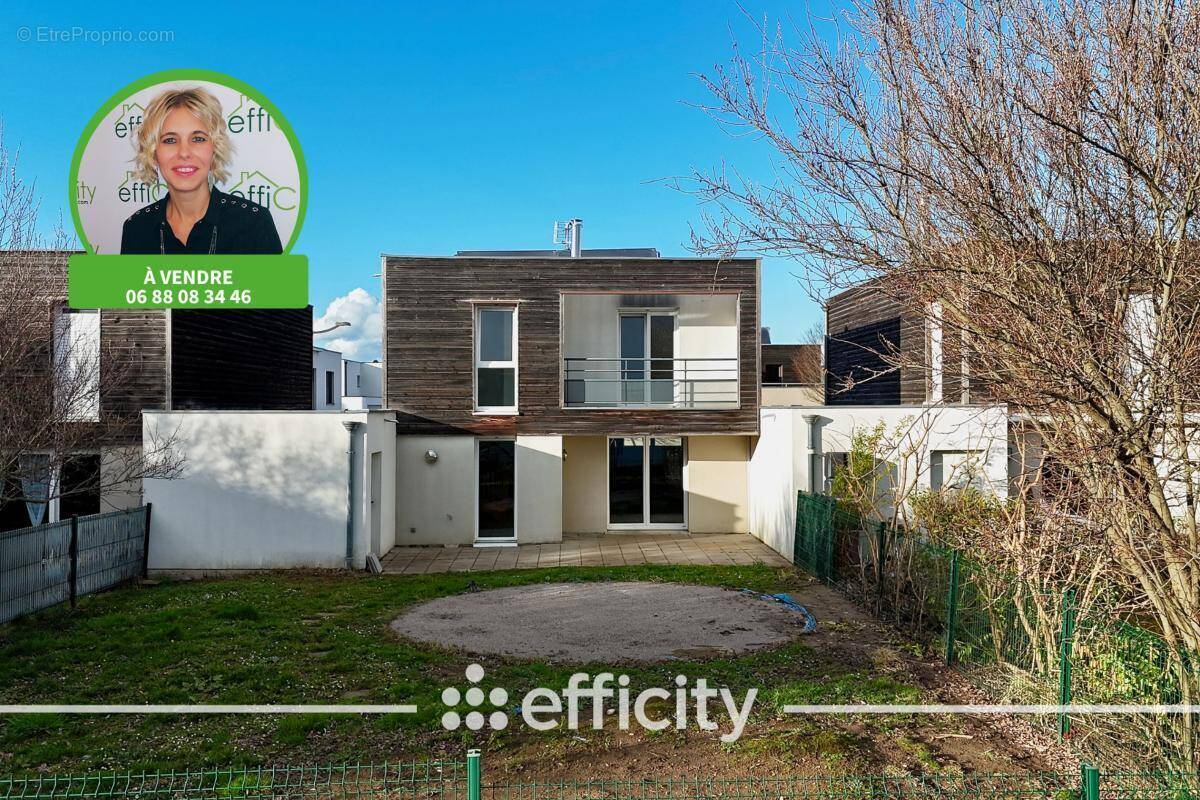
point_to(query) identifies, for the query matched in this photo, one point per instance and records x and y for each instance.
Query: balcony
(679, 383)
(650, 351)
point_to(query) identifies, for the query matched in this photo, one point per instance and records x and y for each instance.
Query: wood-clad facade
(428, 341)
(153, 359)
(246, 359)
(792, 364)
(867, 333)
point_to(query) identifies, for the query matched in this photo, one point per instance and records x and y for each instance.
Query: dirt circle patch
(579, 623)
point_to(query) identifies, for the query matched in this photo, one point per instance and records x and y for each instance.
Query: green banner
(188, 281)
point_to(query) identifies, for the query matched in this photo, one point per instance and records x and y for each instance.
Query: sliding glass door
(645, 482)
(648, 358)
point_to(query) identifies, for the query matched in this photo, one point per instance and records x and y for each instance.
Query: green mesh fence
(815, 520)
(1023, 646)
(471, 781)
(866, 787)
(409, 780)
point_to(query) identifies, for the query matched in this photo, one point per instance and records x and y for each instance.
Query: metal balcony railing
(669, 383)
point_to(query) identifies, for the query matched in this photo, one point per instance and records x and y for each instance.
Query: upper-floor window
(496, 359)
(76, 365)
(328, 387)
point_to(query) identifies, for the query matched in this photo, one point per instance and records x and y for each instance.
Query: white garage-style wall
(435, 497)
(789, 453)
(265, 490)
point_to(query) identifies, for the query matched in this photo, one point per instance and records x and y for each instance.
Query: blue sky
(431, 127)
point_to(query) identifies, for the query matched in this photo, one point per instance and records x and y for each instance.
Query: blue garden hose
(810, 622)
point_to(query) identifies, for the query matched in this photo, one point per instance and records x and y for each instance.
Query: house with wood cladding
(139, 360)
(543, 393)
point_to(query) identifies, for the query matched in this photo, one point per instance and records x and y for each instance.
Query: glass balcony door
(645, 482)
(648, 358)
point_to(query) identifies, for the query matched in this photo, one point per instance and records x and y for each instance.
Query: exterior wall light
(431, 456)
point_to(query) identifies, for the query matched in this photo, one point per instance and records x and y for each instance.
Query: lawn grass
(293, 638)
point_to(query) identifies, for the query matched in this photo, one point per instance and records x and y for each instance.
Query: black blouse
(231, 225)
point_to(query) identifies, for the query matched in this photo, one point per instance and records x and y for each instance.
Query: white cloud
(362, 340)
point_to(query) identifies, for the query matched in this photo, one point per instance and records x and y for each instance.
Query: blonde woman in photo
(184, 142)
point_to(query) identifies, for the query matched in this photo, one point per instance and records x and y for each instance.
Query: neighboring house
(343, 384)
(879, 351)
(791, 374)
(888, 372)
(326, 379)
(537, 394)
(159, 360)
(362, 384)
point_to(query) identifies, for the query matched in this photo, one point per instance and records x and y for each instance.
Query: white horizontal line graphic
(208, 709)
(992, 709)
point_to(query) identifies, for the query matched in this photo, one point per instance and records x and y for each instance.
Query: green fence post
(880, 562)
(1064, 661)
(831, 542)
(474, 778)
(146, 542)
(73, 567)
(1090, 780)
(952, 609)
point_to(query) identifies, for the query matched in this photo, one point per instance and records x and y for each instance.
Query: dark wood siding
(428, 340)
(869, 333)
(249, 359)
(133, 367)
(859, 373)
(799, 363)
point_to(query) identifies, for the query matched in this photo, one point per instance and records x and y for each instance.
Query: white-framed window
(496, 359)
(76, 364)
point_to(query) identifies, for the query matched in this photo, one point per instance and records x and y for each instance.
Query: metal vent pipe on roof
(575, 237)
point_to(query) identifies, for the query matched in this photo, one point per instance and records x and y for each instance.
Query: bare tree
(61, 386)
(1031, 169)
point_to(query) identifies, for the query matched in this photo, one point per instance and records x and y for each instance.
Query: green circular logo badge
(265, 165)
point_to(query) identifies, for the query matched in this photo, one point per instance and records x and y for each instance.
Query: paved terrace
(588, 550)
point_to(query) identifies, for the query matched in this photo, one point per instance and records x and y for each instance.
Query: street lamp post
(335, 326)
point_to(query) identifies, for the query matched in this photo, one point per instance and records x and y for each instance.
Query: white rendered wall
(356, 403)
(261, 490)
(783, 462)
(363, 379)
(435, 501)
(77, 365)
(326, 361)
(773, 475)
(539, 489)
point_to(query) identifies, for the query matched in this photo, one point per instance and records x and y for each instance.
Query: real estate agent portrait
(183, 139)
